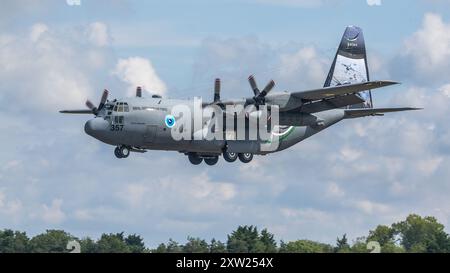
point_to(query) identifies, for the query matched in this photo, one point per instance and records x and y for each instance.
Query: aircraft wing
(359, 113)
(340, 90)
(76, 112)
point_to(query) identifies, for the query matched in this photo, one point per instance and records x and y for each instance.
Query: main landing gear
(243, 157)
(122, 152)
(246, 157)
(197, 159)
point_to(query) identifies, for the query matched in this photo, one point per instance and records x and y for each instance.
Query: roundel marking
(170, 121)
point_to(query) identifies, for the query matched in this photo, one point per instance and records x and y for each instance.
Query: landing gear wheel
(246, 157)
(117, 152)
(124, 151)
(195, 159)
(212, 161)
(230, 157)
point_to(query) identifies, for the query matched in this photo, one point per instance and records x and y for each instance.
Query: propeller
(260, 96)
(217, 91)
(96, 110)
(139, 92)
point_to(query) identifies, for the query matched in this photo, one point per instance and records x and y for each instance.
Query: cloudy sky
(348, 179)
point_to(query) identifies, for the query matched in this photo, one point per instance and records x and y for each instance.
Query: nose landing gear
(122, 152)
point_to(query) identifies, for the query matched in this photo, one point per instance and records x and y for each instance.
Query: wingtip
(389, 82)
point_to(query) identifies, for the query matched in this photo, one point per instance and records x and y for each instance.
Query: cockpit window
(121, 107)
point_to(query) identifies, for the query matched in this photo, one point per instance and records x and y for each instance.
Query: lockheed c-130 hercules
(139, 124)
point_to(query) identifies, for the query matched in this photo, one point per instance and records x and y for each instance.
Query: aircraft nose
(95, 127)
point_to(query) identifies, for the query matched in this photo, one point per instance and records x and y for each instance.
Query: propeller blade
(103, 99)
(217, 91)
(268, 88)
(90, 105)
(139, 92)
(253, 84)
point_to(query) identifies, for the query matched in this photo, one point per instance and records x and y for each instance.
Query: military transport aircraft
(139, 124)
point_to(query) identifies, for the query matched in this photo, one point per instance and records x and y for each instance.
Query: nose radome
(95, 127)
(88, 128)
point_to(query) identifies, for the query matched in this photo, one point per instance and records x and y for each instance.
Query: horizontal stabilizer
(359, 113)
(76, 112)
(340, 90)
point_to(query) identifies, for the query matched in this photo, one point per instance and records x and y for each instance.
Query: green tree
(162, 248)
(385, 236)
(217, 247)
(88, 245)
(13, 241)
(244, 240)
(53, 241)
(196, 245)
(112, 243)
(342, 245)
(135, 243)
(174, 247)
(382, 234)
(360, 246)
(419, 234)
(304, 246)
(268, 242)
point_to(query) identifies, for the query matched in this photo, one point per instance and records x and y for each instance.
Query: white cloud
(349, 154)
(429, 166)
(137, 71)
(426, 54)
(374, 2)
(11, 208)
(98, 34)
(171, 190)
(83, 215)
(334, 190)
(346, 180)
(296, 3)
(45, 70)
(369, 207)
(37, 31)
(305, 64)
(53, 214)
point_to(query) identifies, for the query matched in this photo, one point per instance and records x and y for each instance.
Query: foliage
(419, 234)
(414, 234)
(305, 246)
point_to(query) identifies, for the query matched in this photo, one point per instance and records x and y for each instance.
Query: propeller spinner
(96, 110)
(260, 96)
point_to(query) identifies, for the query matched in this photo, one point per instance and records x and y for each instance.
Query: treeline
(415, 234)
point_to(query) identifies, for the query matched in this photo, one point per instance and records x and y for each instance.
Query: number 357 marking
(116, 128)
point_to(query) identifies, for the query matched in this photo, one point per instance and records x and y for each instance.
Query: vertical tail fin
(350, 64)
